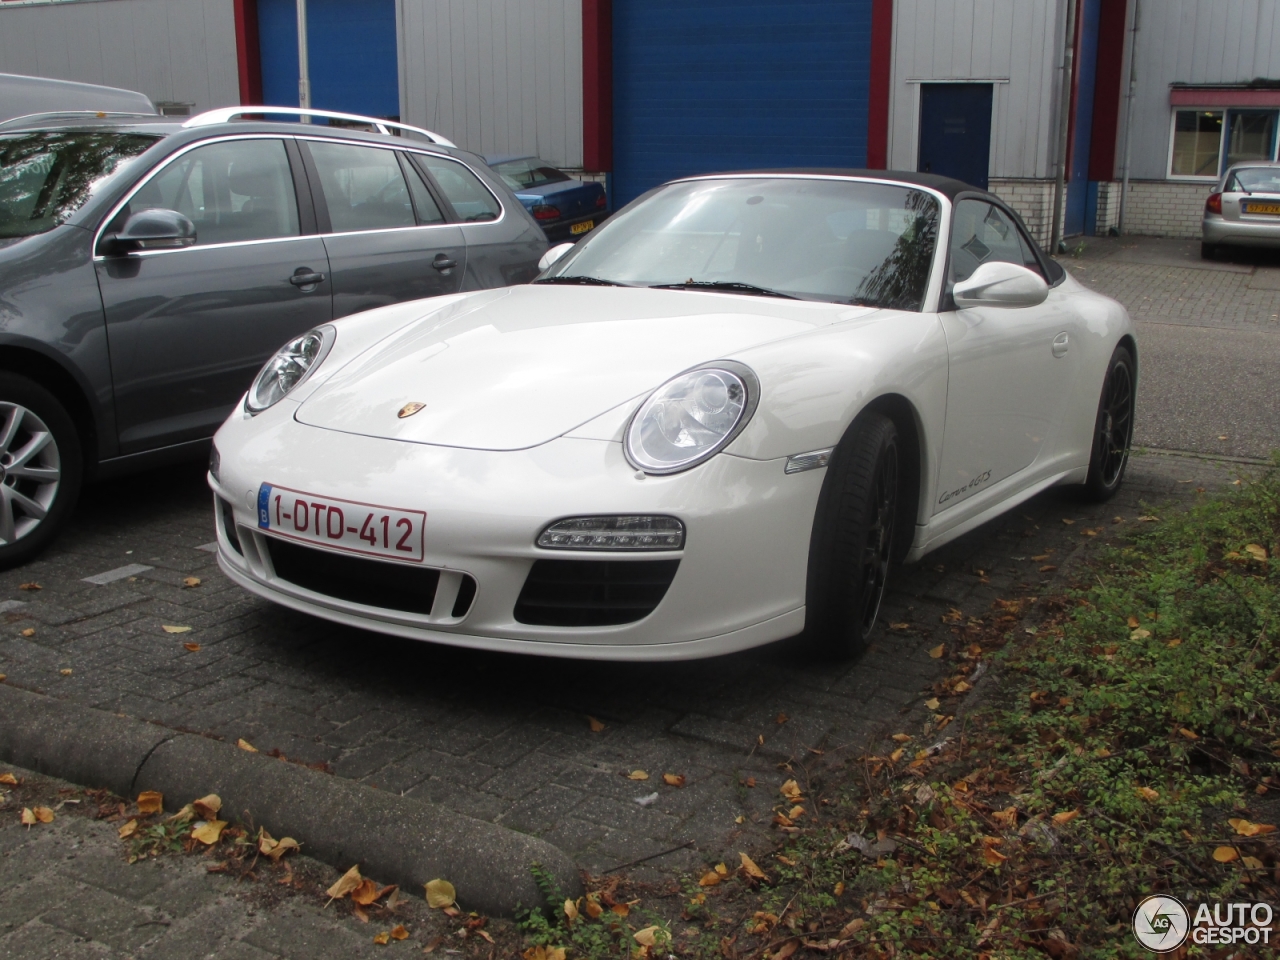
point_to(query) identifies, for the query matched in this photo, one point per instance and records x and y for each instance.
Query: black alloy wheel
(853, 538)
(1113, 430)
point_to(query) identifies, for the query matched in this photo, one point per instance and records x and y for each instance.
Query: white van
(23, 96)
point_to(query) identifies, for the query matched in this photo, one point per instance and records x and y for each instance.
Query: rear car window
(528, 172)
(364, 187)
(46, 176)
(470, 198)
(232, 191)
(1255, 180)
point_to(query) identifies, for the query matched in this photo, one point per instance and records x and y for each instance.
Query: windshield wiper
(586, 281)
(729, 286)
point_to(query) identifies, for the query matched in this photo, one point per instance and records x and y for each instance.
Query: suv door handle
(306, 278)
(1060, 344)
(443, 262)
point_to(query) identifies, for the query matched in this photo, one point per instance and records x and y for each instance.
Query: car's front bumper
(1244, 233)
(742, 572)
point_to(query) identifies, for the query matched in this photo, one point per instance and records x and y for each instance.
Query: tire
(853, 538)
(39, 480)
(1113, 428)
(1208, 251)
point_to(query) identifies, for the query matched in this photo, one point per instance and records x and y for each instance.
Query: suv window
(470, 198)
(233, 191)
(981, 233)
(425, 204)
(364, 187)
(528, 172)
(47, 176)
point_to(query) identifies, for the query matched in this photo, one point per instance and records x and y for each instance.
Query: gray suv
(148, 268)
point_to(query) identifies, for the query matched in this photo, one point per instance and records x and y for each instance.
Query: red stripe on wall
(878, 94)
(248, 52)
(1108, 90)
(597, 85)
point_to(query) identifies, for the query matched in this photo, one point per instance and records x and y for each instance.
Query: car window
(529, 172)
(232, 191)
(423, 203)
(47, 176)
(364, 188)
(470, 198)
(1255, 180)
(982, 233)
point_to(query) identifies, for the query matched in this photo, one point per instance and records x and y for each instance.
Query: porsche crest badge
(409, 409)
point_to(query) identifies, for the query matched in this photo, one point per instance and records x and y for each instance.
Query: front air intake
(593, 593)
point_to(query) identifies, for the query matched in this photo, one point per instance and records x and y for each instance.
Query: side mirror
(554, 254)
(1000, 284)
(154, 229)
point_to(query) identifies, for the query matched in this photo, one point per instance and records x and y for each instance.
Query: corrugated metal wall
(183, 50)
(1015, 42)
(1194, 41)
(495, 76)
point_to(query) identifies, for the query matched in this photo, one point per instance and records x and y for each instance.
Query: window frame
(1222, 141)
(1053, 277)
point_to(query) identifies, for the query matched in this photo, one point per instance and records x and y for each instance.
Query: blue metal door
(1079, 215)
(737, 84)
(351, 46)
(955, 131)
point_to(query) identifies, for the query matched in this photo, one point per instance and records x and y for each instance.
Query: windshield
(1255, 180)
(835, 240)
(47, 176)
(529, 172)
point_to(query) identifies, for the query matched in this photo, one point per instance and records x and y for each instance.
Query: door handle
(1060, 344)
(306, 278)
(443, 262)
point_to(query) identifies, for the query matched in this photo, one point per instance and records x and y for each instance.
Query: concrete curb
(394, 839)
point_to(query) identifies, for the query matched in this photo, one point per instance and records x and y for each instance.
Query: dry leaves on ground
(595, 725)
(673, 779)
(345, 884)
(30, 586)
(750, 867)
(150, 801)
(127, 830)
(440, 894)
(637, 775)
(32, 816)
(10, 779)
(208, 832)
(169, 628)
(191, 581)
(192, 647)
(1247, 829)
(244, 744)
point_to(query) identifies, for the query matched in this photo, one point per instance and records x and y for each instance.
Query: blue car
(566, 208)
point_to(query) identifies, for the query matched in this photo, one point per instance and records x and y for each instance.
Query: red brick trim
(881, 78)
(248, 52)
(597, 85)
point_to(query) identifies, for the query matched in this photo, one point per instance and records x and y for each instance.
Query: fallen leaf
(28, 817)
(244, 744)
(29, 632)
(648, 937)
(838, 889)
(899, 626)
(1067, 522)
(207, 807)
(595, 725)
(750, 867)
(1048, 568)
(897, 754)
(191, 581)
(1257, 551)
(1141, 634)
(932, 704)
(749, 782)
(721, 869)
(1226, 854)
(65, 671)
(571, 910)
(382, 939)
(1175, 642)
(1133, 623)
(937, 652)
(365, 893)
(440, 893)
(993, 856)
(1246, 829)
(594, 910)
(1189, 734)
(171, 629)
(127, 829)
(852, 927)
(283, 846)
(192, 647)
(1065, 817)
(30, 586)
(791, 790)
(1253, 863)
(435, 942)
(780, 719)
(621, 909)
(484, 934)
(345, 884)
(741, 819)
(901, 737)
(637, 775)
(1146, 793)
(786, 950)
(398, 932)
(10, 779)
(673, 779)
(149, 801)
(963, 687)
(209, 832)
(1042, 558)
(709, 879)
(1148, 519)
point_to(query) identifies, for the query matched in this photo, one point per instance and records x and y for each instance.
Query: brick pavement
(501, 737)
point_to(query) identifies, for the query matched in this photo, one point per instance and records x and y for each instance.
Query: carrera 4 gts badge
(977, 481)
(409, 409)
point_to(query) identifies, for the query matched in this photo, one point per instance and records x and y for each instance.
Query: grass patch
(1129, 748)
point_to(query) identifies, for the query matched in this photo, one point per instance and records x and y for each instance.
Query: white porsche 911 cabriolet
(714, 423)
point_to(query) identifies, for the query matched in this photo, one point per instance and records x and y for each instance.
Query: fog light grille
(593, 593)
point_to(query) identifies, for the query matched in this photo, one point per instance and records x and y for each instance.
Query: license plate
(1268, 208)
(586, 225)
(342, 524)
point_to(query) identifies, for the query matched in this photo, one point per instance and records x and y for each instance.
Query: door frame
(999, 88)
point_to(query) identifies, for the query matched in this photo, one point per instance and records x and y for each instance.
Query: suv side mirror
(1000, 284)
(554, 254)
(154, 229)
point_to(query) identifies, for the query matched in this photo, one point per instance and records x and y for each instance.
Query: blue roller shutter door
(708, 86)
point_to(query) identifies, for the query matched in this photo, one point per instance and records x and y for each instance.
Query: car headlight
(692, 417)
(291, 365)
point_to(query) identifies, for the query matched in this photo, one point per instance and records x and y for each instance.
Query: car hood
(514, 368)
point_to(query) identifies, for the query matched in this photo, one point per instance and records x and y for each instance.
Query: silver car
(1244, 209)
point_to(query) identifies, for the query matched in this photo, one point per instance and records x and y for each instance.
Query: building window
(1197, 143)
(1252, 135)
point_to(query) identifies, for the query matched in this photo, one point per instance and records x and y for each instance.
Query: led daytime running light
(614, 533)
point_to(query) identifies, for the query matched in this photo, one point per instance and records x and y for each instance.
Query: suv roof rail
(226, 114)
(71, 114)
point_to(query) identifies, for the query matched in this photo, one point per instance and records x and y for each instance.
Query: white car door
(1010, 369)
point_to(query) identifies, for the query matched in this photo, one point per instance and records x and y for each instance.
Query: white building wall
(495, 76)
(1194, 41)
(1016, 43)
(181, 50)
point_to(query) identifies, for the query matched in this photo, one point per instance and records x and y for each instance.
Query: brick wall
(1108, 216)
(1033, 201)
(1165, 208)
